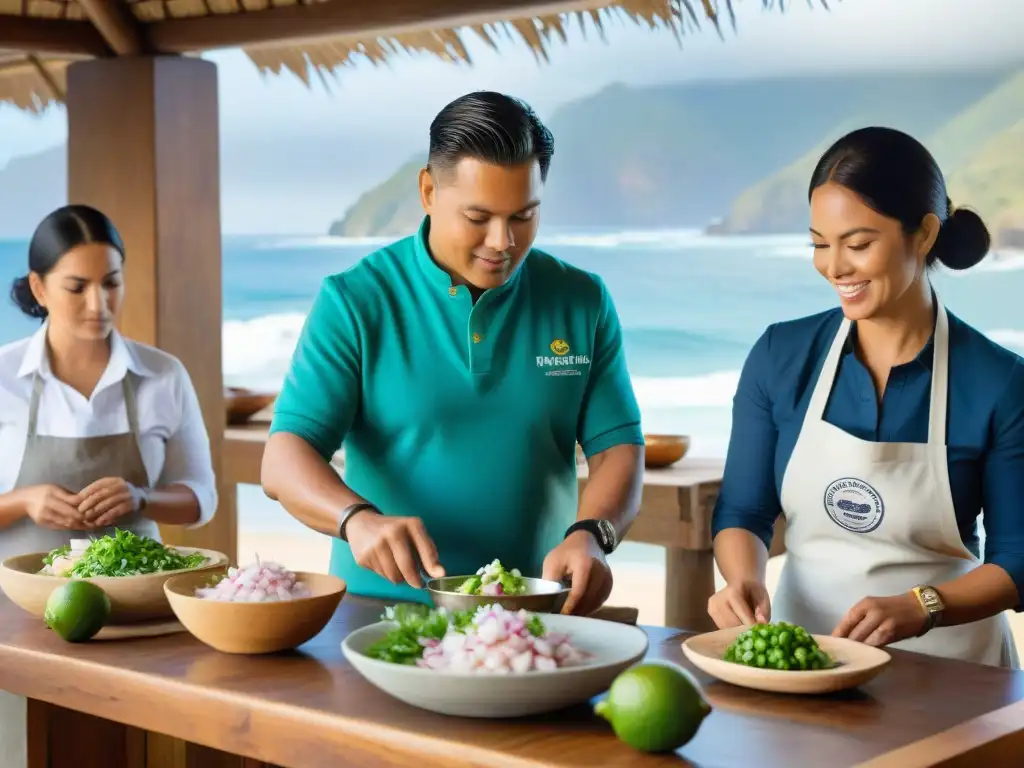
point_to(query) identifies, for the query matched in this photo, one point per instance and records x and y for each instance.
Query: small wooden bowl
(856, 664)
(242, 404)
(664, 450)
(252, 628)
(133, 599)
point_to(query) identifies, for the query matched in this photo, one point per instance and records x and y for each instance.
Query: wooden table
(310, 709)
(675, 513)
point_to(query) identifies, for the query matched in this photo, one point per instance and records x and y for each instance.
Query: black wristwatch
(602, 530)
(348, 512)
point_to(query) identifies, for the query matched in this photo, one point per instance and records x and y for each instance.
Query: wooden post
(143, 147)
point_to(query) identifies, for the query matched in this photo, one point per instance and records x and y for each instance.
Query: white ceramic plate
(857, 663)
(614, 647)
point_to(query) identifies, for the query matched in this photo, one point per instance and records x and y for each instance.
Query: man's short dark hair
(490, 127)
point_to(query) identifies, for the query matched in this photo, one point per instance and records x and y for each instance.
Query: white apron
(866, 519)
(72, 463)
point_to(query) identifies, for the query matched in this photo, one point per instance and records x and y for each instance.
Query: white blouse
(173, 440)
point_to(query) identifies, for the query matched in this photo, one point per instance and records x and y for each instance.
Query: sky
(401, 98)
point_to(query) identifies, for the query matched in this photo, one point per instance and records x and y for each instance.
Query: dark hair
(58, 233)
(491, 127)
(896, 176)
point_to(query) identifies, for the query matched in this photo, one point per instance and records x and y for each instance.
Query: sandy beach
(636, 584)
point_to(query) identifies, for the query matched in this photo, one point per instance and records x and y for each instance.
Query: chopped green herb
(125, 554)
(401, 645)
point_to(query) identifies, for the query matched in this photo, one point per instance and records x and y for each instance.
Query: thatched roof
(39, 38)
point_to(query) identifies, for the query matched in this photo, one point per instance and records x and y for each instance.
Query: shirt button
(477, 338)
(453, 291)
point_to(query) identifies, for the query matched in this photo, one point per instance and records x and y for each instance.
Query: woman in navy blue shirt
(881, 429)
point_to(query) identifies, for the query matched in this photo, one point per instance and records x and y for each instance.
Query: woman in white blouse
(97, 432)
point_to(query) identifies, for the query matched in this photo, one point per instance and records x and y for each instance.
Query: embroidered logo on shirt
(562, 364)
(854, 505)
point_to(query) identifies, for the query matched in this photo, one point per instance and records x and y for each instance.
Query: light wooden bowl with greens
(131, 569)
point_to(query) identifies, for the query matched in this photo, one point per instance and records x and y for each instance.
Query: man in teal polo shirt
(460, 367)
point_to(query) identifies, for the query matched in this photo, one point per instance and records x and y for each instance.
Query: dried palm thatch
(34, 82)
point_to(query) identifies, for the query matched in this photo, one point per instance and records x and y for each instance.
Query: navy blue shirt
(984, 432)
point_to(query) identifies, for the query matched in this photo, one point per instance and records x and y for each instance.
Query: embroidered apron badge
(854, 505)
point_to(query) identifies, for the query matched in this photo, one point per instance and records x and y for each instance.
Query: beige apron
(72, 463)
(877, 519)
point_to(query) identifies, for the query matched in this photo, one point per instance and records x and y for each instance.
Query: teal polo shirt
(464, 415)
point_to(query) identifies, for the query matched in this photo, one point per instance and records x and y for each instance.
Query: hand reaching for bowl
(50, 506)
(393, 547)
(740, 603)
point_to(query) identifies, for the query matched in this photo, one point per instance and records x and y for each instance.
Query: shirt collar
(924, 358)
(122, 359)
(437, 276)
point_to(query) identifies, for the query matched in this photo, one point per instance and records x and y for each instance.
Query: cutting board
(623, 615)
(142, 629)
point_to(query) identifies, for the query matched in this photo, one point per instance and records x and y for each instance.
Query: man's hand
(740, 604)
(580, 558)
(107, 500)
(883, 620)
(393, 547)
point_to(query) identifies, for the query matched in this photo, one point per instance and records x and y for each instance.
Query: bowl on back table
(664, 450)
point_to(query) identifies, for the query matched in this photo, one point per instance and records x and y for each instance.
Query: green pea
(800, 653)
(785, 639)
(760, 644)
(748, 645)
(747, 656)
(760, 660)
(782, 664)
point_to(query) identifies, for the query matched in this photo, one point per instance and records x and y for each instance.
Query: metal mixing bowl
(541, 596)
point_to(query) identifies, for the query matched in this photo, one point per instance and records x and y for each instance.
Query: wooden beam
(52, 36)
(118, 25)
(46, 77)
(143, 147)
(341, 18)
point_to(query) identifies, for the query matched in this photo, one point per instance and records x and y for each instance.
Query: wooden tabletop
(310, 708)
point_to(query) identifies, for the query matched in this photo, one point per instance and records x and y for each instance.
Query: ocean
(690, 305)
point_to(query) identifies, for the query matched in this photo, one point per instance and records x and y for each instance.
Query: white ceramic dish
(857, 663)
(614, 647)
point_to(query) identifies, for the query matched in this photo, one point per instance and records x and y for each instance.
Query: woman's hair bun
(963, 240)
(22, 296)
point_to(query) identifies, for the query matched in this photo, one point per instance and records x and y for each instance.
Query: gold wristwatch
(931, 604)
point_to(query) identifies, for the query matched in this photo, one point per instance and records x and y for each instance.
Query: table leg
(689, 584)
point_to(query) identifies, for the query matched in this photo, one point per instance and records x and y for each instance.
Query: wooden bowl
(255, 627)
(857, 663)
(242, 404)
(133, 599)
(664, 450)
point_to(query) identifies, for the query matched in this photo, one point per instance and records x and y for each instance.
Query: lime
(654, 707)
(77, 610)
